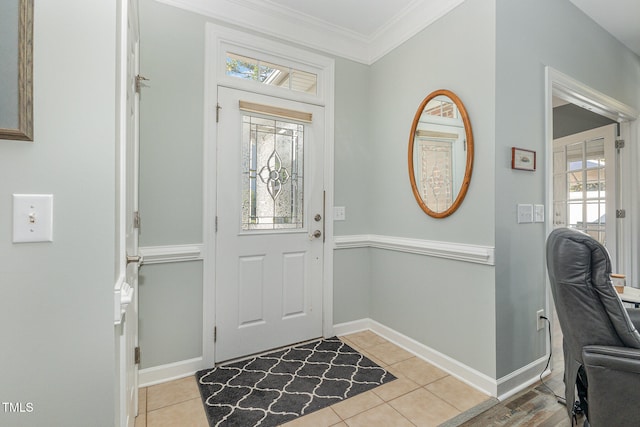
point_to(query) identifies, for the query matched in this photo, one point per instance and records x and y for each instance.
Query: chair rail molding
(171, 253)
(449, 250)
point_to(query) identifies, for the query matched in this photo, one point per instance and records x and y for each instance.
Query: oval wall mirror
(440, 153)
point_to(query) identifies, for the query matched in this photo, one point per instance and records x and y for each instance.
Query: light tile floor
(423, 395)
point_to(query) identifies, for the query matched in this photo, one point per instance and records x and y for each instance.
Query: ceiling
(365, 30)
(619, 17)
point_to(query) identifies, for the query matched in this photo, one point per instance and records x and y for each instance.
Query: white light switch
(538, 213)
(32, 218)
(339, 213)
(525, 214)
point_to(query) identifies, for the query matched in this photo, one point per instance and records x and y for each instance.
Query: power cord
(560, 399)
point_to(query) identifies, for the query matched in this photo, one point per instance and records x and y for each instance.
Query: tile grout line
(365, 351)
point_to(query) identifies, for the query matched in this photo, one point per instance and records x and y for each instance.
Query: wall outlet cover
(539, 319)
(538, 213)
(525, 214)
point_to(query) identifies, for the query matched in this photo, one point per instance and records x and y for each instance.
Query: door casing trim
(563, 86)
(215, 36)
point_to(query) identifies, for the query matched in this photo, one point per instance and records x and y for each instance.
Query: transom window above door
(255, 64)
(267, 73)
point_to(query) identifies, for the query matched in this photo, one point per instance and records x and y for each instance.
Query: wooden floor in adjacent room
(535, 406)
(532, 407)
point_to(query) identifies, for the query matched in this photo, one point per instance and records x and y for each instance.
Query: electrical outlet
(339, 213)
(539, 320)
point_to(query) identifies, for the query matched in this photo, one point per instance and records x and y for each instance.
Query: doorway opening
(589, 184)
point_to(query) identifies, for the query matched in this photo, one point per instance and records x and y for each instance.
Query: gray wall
(56, 299)
(171, 184)
(171, 125)
(353, 189)
(531, 34)
(413, 294)
(170, 313)
(570, 119)
(496, 66)
(352, 278)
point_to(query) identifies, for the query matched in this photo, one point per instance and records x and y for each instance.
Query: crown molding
(290, 25)
(417, 16)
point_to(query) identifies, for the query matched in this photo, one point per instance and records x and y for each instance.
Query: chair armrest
(634, 315)
(613, 390)
(618, 358)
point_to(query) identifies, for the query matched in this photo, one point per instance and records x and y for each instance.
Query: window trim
(265, 50)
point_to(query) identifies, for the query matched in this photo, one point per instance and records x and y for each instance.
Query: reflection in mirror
(16, 69)
(440, 153)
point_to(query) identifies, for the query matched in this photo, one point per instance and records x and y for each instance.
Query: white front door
(128, 206)
(269, 242)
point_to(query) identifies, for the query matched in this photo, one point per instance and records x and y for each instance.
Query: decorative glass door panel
(273, 174)
(434, 167)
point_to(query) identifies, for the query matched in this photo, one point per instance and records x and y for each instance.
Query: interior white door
(269, 240)
(128, 207)
(585, 184)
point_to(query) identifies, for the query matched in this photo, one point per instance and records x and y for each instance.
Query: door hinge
(136, 219)
(619, 143)
(216, 224)
(621, 213)
(136, 355)
(215, 333)
(139, 82)
(218, 108)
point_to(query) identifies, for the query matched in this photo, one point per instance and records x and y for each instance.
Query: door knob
(317, 234)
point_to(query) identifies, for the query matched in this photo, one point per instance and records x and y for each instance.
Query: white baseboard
(502, 388)
(352, 327)
(169, 372)
(522, 378)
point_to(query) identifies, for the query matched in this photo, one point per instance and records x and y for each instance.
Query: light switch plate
(32, 218)
(538, 213)
(339, 213)
(525, 214)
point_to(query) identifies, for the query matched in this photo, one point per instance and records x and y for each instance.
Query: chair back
(588, 307)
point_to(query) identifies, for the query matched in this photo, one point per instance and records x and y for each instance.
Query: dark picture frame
(522, 159)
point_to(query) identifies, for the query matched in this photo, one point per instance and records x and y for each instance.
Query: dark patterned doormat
(272, 389)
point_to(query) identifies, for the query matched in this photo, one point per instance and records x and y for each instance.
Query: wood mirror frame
(22, 128)
(462, 191)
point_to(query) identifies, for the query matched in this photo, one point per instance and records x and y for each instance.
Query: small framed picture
(523, 159)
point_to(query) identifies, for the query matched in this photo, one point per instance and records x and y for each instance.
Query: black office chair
(600, 340)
